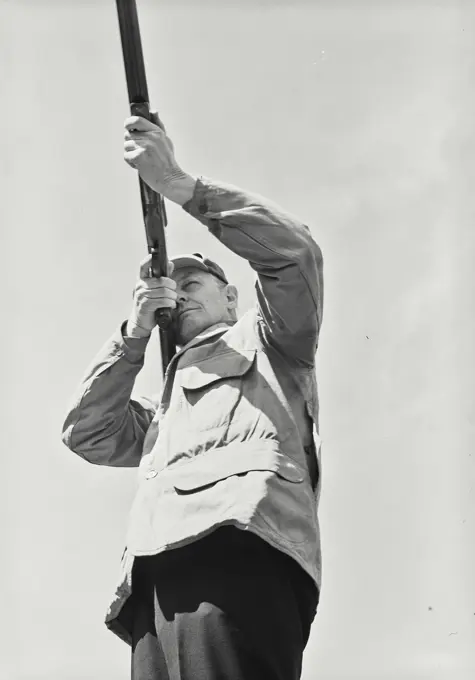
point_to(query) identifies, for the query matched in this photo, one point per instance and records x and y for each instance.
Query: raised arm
(105, 425)
(281, 251)
(279, 248)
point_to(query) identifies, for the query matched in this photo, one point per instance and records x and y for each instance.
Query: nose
(180, 296)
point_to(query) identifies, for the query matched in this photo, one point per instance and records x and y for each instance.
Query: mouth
(185, 311)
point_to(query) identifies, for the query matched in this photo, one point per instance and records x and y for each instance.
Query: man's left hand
(148, 149)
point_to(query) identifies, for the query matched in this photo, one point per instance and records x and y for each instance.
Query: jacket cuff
(132, 349)
(199, 204)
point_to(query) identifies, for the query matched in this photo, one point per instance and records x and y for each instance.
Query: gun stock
(153, 205)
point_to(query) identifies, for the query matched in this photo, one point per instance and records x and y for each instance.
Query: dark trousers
(227, 607)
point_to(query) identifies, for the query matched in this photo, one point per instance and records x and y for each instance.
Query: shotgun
(153, 205)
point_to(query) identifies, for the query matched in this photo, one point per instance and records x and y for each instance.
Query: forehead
(184, 273)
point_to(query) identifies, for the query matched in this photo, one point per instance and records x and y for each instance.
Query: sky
(357, 116)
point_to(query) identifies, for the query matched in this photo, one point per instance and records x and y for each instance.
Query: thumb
(155, 118)
(171, 268)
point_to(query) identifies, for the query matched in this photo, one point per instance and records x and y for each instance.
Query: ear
(231, 296)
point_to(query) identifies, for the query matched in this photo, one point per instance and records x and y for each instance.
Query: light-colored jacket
(234, 439)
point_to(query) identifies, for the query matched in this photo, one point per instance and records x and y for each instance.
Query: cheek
(206, 302)
(211, 305)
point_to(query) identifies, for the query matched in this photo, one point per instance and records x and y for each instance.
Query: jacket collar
(211, 332)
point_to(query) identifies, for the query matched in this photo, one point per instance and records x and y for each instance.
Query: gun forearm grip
(141, 109)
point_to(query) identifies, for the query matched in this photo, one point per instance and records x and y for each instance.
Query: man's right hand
(150, 294)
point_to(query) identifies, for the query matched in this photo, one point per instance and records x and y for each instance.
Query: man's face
(201, 302)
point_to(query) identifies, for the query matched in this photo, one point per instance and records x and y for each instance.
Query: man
(222, 569)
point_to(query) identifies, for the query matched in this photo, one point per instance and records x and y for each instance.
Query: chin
(184, 335)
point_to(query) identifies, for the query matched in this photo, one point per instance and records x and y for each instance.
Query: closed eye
(186, 286)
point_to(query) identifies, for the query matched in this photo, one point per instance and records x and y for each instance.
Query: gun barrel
(132, 51)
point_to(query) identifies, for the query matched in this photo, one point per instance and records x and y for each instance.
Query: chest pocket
(212, 388)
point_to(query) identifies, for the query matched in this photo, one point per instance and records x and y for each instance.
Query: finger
(157, 120)
(140, 124)
(136, 134)
(151, 281)
(141, 135)
(154, 301)
(155, 288)
(137, 145)
(131, 145)
(144, 271)
(164, 303)
(157, 284)
(168, 296)
(131, 157)
(144, 290)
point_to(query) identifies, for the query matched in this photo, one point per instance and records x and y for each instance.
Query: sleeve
(105, 426)
(281, 250)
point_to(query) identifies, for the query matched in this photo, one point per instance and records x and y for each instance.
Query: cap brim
(181, 261)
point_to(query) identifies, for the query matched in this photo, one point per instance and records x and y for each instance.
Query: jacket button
(151, 474)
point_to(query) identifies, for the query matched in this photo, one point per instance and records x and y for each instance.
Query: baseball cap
(199, 261)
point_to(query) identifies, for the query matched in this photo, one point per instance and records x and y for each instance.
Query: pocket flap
(226, 365)
(217, 464)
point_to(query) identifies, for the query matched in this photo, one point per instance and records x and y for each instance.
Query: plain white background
(358, 117)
